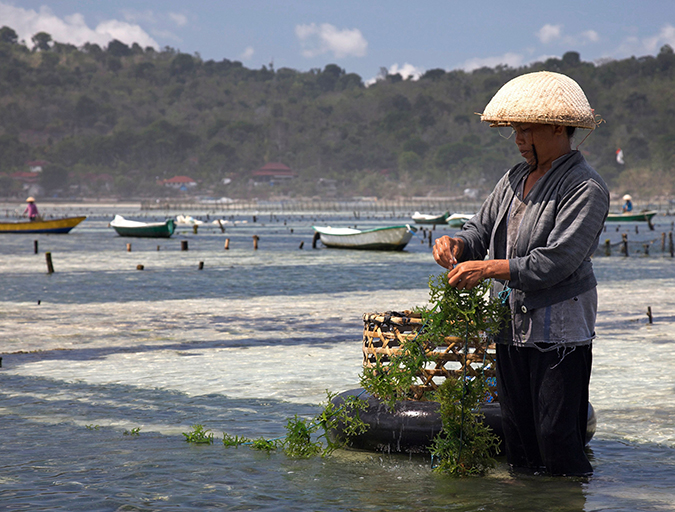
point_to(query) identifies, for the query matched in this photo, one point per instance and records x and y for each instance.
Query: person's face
(541, 136)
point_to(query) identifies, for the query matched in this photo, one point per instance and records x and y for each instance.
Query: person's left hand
(468, 274)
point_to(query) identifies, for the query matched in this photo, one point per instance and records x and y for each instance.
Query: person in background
(31, 209)
(534, 236)
(628, 204)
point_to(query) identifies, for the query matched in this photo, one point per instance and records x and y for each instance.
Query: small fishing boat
(126, 227)
(390, 238)
(423, 218)
(52, 226)
(645, 216)
(457, 220)
(411, 425)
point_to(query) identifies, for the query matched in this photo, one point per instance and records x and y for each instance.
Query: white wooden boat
(126, 227)
(389, 238)
(424, 218)
(457, 220)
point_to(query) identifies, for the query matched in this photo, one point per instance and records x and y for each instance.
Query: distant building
(273, 171)
(26, 177)
(37, 165)
(179, 183)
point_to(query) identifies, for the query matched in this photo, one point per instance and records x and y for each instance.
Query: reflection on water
(255, 338)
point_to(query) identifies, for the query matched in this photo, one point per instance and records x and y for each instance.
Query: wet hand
(446, 250)
(467, 275)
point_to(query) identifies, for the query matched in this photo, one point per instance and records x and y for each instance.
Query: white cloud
(633, 45)
(548, 33)
(179, 19)
(247, 53)
(590, 36)
(320, 39)
(71, 29)
(407, 71)
(665, 36)
(513, 60)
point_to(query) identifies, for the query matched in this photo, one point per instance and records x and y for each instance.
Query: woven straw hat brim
(543, 98)
(30, 200)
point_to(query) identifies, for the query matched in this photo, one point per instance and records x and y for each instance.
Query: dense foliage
(116, 120)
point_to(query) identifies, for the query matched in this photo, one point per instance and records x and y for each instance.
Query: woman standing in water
(538, 229)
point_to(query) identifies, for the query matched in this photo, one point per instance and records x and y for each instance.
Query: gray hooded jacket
(559, 232)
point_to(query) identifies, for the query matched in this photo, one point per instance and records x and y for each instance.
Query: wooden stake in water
(35, 246)
(624, 244)
(50, 267)
(201, 265)
(608, 248)
(183, 245)
(255, 242)
(227, 244)
(128, 247)
(649, 314)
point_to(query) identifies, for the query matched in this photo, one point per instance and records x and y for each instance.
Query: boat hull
(420, 218)
(54, 226)
(127, 228)
(631, 217)
(393, 238)
(457, 220)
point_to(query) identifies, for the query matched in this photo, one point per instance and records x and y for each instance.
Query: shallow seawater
(257, 337)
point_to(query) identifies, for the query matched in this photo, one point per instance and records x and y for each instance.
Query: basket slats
(385, 333)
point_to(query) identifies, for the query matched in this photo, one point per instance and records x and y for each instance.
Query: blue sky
(359, 35)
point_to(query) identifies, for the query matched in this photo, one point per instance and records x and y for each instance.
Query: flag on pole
(619, 156)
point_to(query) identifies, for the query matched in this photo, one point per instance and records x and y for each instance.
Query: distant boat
(390, 238)
(188, 220)
(645, 216)
(423, 218)
(55, 226)
(457, 220)
(125, 227)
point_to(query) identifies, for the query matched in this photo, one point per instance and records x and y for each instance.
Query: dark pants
(544, 403)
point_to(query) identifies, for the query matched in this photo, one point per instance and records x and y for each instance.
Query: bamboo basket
(385, 333)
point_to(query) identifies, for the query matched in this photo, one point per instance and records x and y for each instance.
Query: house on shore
(179, 183)
(273, 172)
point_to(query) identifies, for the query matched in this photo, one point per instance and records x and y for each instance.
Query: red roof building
(179, 182)
(274, 171)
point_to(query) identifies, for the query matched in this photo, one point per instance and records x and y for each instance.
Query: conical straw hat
(543, 98)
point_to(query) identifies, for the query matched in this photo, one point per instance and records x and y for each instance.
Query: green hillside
(114, 121)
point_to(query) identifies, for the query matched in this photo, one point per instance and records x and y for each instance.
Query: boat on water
(645, 216)
(188, 220)
(411, 425)
(457, 220)
(424, 218)
(389, 238)
(126, 227)
(52, 226)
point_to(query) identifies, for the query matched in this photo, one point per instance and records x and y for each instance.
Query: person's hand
(468, 274)
(447, 250)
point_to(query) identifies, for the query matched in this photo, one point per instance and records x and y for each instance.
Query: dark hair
(570, 131)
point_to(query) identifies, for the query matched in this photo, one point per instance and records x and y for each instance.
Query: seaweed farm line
(105, 366)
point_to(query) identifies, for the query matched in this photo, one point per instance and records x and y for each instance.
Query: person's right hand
(447, 250)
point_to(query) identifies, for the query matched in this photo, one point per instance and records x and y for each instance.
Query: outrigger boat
(390, 238)
(126, 227)
(53, 226)
(423, 218)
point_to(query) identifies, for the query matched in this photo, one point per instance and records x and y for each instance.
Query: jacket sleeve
(578, 223)
(477, 231)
